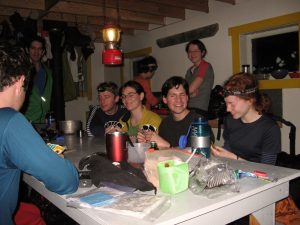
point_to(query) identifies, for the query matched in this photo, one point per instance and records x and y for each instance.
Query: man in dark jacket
(38, 100)
(107, 110)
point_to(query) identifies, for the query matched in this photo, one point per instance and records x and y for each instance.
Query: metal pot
(69, 126)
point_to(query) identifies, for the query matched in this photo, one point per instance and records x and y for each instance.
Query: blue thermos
(199, 132)
(200, 137)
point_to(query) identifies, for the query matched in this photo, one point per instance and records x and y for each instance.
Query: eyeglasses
(114, 124)
(152, 68)
(149, 127)
(129, 95)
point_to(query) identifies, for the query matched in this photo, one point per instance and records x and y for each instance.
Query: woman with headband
(249, 134)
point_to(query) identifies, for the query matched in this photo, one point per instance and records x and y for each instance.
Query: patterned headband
(239, 92)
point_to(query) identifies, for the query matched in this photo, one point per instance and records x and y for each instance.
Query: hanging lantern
(111, 54)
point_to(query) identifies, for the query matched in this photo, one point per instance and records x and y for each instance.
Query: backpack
(217, 107)
(217, 104)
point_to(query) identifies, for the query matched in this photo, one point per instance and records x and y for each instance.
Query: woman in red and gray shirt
(200, 76)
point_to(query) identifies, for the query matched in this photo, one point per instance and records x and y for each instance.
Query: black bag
(217, 107)
(217, 104)
(102, 170)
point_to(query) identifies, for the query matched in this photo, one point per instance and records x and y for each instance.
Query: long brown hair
(245, 86)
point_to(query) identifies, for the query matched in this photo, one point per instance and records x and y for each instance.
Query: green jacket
(35, 108)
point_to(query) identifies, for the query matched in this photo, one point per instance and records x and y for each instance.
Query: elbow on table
(69, 186)
(67, 183)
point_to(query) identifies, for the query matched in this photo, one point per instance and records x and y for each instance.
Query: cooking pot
(69, 126)
(116, 148)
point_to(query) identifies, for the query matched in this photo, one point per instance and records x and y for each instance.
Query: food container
(136, 153)
(173, 176)
(69, 126)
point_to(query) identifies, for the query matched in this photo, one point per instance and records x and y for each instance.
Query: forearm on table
(161, 143)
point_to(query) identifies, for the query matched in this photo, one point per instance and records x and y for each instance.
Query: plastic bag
(210, 174)
(146, 206)
(93, 197)
(152, 158)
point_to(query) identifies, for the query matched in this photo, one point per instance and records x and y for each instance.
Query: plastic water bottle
(50, 121)
(200, 137)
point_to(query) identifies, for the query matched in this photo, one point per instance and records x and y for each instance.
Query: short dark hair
(38, 39)
(174, 81)
(108, 86)
(13, 64)
(200, 45)
(136, 86)
(142, 65)
(133, 84)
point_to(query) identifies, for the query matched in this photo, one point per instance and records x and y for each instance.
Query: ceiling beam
(148, 7)
(8, 11)
(232, 2)
(199, 5)
(50, 3)
(64, 17)
(152, 8)
(92, 10)
(27, 4)
(141, 17)
(123, 23)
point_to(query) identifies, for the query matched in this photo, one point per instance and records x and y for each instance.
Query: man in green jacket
(38, 103)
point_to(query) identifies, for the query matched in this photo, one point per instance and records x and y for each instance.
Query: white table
(255, 196)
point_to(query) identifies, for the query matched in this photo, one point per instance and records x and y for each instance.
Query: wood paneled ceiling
(88, 15)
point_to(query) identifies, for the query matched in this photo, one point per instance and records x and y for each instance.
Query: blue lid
(182, 141)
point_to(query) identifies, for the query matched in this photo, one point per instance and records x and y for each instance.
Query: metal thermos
(116, 148)
(200, 137)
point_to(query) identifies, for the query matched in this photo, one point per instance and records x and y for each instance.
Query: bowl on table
(279, 73)
(294, 74)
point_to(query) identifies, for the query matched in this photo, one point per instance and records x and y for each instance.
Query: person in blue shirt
(21, 147)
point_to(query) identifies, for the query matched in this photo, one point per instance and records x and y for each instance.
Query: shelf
(280, 83)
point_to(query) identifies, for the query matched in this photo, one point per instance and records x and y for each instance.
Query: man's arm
(28, 152)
